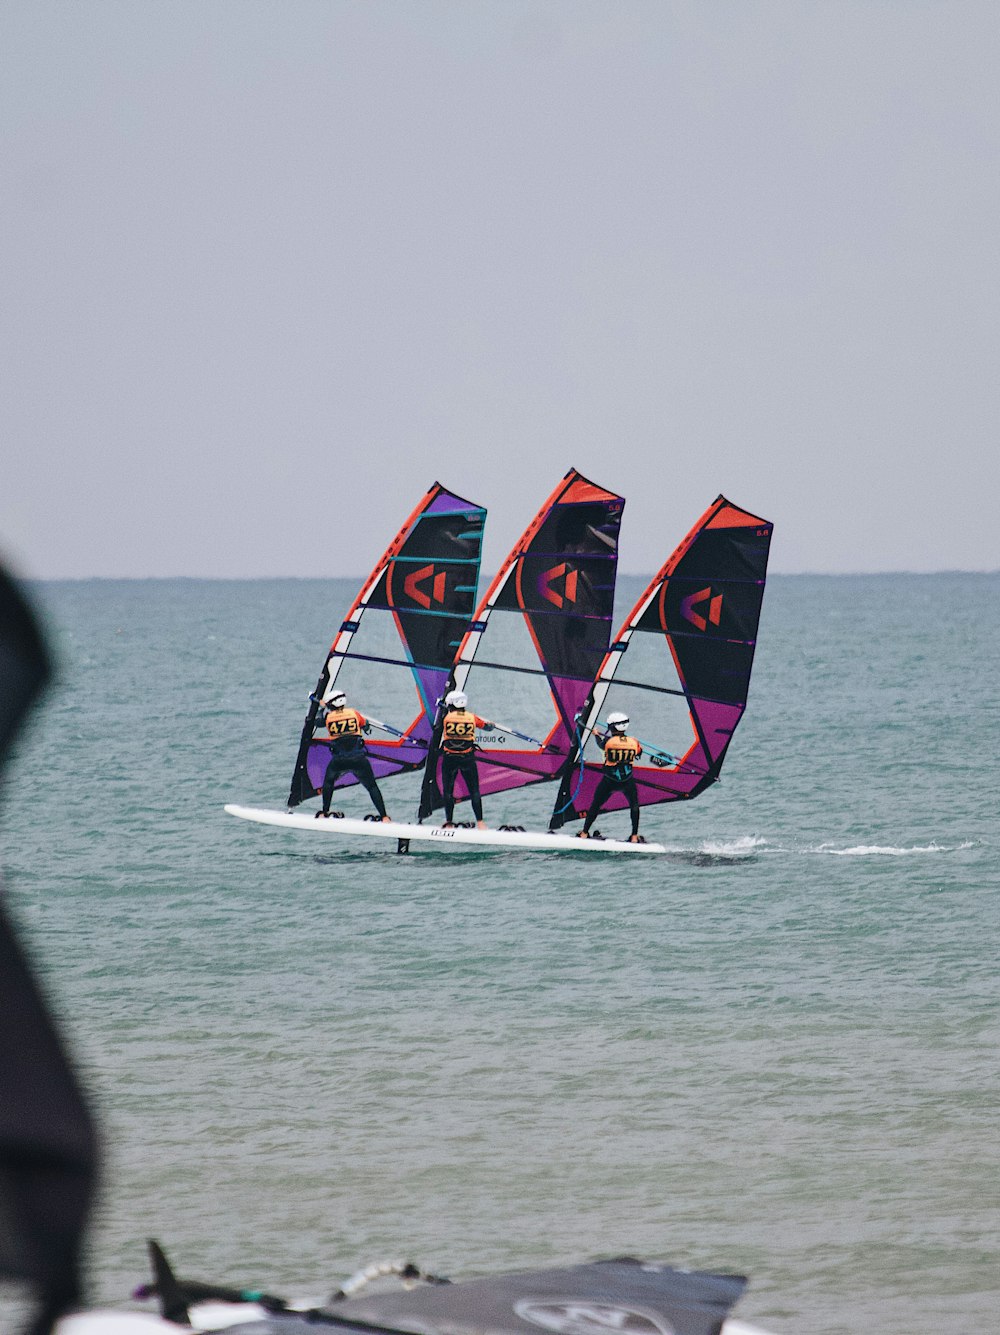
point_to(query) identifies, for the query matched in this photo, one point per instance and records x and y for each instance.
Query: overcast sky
(271, 267)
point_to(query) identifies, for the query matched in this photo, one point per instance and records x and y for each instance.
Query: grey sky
(269, 269)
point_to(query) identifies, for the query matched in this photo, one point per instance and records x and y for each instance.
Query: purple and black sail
(427, 580)
(690, 640)
(559, 583)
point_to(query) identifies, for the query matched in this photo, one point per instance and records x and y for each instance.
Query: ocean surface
(773, 1051)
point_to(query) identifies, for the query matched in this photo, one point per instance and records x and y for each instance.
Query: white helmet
(617, 721)
(338, 700)
(456, 699)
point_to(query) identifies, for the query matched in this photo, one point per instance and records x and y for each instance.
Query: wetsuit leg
(363, 772)
(632, 793)
(334, 770)
(449, 769)
(604, 788)
(470, 773)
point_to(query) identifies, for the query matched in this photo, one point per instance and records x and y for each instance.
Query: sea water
(772, 1051)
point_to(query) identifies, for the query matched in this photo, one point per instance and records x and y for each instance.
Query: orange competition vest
(620, 754)
(344, 726)
(458, 732)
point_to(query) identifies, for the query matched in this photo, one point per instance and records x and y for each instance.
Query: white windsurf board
(538, 841)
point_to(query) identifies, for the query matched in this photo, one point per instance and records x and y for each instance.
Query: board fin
(176, 1296)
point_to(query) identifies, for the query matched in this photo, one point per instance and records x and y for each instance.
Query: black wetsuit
(451, 768)
(458, 756)
(348, 756)
(617, 778)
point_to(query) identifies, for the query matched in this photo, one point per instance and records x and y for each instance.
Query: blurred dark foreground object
(48, 1153)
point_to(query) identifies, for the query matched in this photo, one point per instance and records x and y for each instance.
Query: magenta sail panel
(716, 723)
(517, 769)
(652, 786)
(386, 758)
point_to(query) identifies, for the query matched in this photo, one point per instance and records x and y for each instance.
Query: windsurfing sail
(557, 587)
(425, 587)
(690, 642)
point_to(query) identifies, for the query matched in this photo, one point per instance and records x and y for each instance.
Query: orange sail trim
(731, 517)
(582, 490)
(706, 520)
(720, 514)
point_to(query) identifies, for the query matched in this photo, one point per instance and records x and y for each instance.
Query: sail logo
(713, 611)
(580, 1317)
(416, 578)
(548, 578)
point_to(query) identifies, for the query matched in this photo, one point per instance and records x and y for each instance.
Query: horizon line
(622, 574)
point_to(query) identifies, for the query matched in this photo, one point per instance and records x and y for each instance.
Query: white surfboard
(538, 841)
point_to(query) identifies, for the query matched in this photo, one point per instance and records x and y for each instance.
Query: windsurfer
(620, 753)
(347, 752)
(458, 755)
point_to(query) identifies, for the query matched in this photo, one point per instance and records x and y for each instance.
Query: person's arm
(483, 723)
